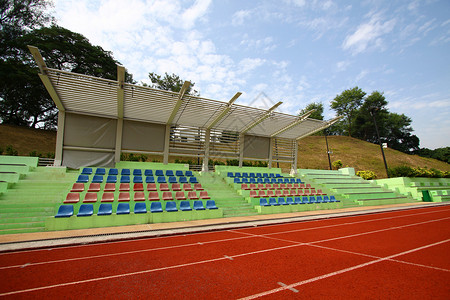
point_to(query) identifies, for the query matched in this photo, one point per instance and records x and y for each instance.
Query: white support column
(206, 156)
(241, 149)
(166, 145)
(270, 153)
(294, 163)
(118, 149)
(60, 138)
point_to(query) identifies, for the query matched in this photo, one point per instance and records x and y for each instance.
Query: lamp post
(372, 112)
(328, 150)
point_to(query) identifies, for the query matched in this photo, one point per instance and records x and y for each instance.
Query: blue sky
(295, 51)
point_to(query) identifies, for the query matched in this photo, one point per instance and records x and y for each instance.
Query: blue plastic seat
(85, 210)
(156, 207)
(244, 180)
(286, 180)
(251, 175)
(140, 208)
(193, 180)
(137, 172)
(280, 180)
(97, 179)
(333, 199)
(230, 174)
(161, 179)
(179, 173)
(171, 206)
(148, 173)
(211, 204)
(271, 175)
(159, 173)
(83, 178)
(189, 173)
(111, 179)
(149, 179)
(125, 172)
(312, 199)
(105, 209)
(292, 180)
(169, 173)
(137, 179)
(100, 171)
(87, 171)
(325, 199)
(263, 202)
(236, 180)
(113, 171)
(281, 201)
(185, 206)
(265, 175)
(266, 180)
(298, 200)
(252, 180)
(290, 201)
(259, 180)
(305, 199)
(237, 174)
(298, 180)
(245, 175)
(123, 209)
(273, 180)
(278, 175)
(125, 179)
(318, 199)
(273, 201)
(65, 211)
(198, 205)
(258, 175)
(172, 179)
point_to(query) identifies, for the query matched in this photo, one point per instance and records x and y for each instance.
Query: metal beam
(120, 90)
(183, 90)
(225, 111)
(262, 118)
(295, 123)
(328, 124)
(44, 77)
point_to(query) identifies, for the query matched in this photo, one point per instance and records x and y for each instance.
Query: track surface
(403, 254)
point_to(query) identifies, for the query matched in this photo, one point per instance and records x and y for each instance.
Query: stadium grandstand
(88, 185)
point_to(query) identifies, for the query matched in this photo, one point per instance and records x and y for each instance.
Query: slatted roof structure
(83, 94)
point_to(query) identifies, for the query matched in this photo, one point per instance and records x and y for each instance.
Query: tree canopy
(170, 83)
(317, 114)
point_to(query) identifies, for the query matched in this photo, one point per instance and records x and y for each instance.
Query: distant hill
(312, 153)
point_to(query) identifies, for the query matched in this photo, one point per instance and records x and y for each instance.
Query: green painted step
(22, 230)
(21, 225)
(385, 201)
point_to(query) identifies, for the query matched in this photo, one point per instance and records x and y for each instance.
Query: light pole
(328, 150)
(372, 112)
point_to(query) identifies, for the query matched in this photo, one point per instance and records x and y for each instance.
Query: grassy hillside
(312, 152)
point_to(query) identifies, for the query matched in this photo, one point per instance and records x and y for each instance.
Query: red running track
(403, 254)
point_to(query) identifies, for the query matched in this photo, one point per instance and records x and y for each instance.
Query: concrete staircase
(233, 204)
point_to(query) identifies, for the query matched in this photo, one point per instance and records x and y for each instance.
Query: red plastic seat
(286, 193)
(296, 186)
(253, 194)
(282, 186)
(278, 193)
(192, 195)
(300, 192)
(187, 187)
(153, 196)
(294, 192)
(261, 186)
(302, 185)
(306, 192)
(262, 193)
(164, 187)
(308, 186)
(151, 187)
(313, 191)
(289, 185)
(167, 196)
(77, 187)
(110, 187)
(176, 187)
(275, 186)
(94, 187)
(253, 186)
(319, 192)
(139, 196)
(198, 187)
(108, 197)
(244, 187)
(204, 195)
(180, 196)
(90, 198)
(269, 186)
(72, 198)
(124, 187)
(139, 187)
(124, 197)
(270, 193)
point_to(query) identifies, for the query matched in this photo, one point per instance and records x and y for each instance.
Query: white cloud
(195, 12)
(342, 65)
(240, 16)
(369, 34)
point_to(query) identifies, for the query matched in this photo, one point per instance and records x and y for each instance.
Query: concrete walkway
(34, 240)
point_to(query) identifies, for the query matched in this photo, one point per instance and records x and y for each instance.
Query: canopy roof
(90, 95)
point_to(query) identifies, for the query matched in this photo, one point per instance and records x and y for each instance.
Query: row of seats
(84, 178)
(253, 175)
(105, 209)
(296, 200)
(136, 172)
(275, 186)
(92, 197)
(267, 180)
(284, 193)
(139, 187)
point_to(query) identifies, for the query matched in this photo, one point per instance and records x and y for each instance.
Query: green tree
(170, 83)
(374, 104)
(317, 114)
(347, 105)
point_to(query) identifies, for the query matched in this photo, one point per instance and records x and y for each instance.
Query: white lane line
(203, 233)
(269, 292)
(228, 257)
(285, 285)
